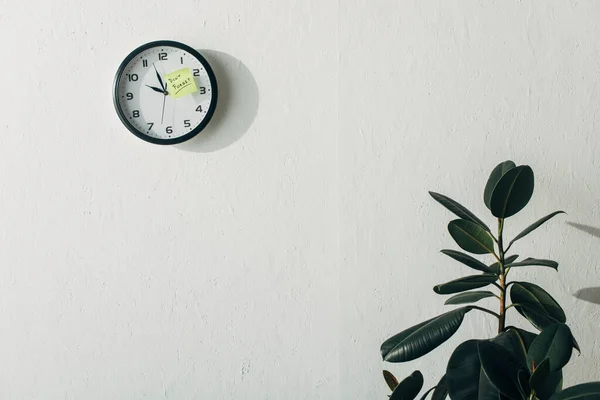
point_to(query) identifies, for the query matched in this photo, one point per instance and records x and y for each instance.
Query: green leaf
(534, 226)
(441, 390)
(525, 338)
(513, 192)
(466, 283)
(586, 391)
(468, 297)
(466, 380)
(467, 260)
(420, 339)
(466, 386)
(495, 267)
(390, 379)
(539, 376)
(458, 210)
(535, 304)
(495, 176)
(553, 382)
(534, 261)
(523, 377)
(576, 345)
(409, 388)
(554, 344)
(471, 237)
(501, 368)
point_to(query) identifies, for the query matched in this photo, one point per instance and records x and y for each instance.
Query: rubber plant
(515, 364)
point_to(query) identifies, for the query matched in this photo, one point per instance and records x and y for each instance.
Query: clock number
(129, 96)
(169, 129)
(199, 108)
(196, 72)
(151, 125)
(136, 113)
(181, 58)
(162, 56)
(187, 123)
(202, 90)
(144, 63)
(132, 77)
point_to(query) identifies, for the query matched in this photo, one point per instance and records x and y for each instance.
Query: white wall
(202, 271)
(269, 258)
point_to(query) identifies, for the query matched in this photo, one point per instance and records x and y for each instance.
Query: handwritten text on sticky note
(181, 83)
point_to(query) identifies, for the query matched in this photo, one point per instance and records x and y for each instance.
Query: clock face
(165, 92)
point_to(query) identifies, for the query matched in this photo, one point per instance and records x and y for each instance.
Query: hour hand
(156, 89)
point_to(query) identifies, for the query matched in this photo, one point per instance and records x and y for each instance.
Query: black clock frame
(209, 112)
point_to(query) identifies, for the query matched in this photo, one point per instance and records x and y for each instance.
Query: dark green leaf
(524, 338)
(390, 379)
(409, 388)
(458, 210)
(495, 176)
(534, 261)
(524, 377)
(535, 304)
(495, 267)
(466, 283)
(500, 367)
(554, 344)
(539, 376)
(468, 297)
(586, 391)
(419, 340)
(551, 385)
(466, 380)
(513, 192)
(471, 237)
(467, 260)
(441, 390)
(534, 226)
(576, 345)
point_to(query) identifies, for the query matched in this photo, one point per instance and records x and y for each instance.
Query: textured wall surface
(268, 258)
(202, 271)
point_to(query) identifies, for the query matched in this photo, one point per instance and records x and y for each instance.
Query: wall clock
(165, 92)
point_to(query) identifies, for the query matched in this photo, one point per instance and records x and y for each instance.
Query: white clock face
(149, 107)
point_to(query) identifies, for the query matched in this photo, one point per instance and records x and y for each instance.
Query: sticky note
(180, 83)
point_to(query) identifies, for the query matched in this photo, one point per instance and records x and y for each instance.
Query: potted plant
(515, 364)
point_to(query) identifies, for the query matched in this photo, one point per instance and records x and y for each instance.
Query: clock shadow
(237, 105)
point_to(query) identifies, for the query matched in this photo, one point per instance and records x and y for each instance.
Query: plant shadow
(586, 228)
(590, 294)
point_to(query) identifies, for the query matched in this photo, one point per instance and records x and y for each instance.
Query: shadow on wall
(591, 294)
(237, 105)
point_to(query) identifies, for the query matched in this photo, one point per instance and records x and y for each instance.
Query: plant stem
(532, 395)
(502, 319)
(486, 311)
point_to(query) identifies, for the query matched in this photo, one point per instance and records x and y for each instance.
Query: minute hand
(162, 85)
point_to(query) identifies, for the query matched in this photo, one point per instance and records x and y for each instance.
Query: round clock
(165, 92)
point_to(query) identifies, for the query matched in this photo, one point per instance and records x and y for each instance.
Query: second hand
(163, 107)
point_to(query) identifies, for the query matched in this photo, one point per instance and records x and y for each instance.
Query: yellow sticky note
(180, 83)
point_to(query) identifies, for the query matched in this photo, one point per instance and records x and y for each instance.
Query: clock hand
(163, 109)
(156, 89)
(159, 78)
